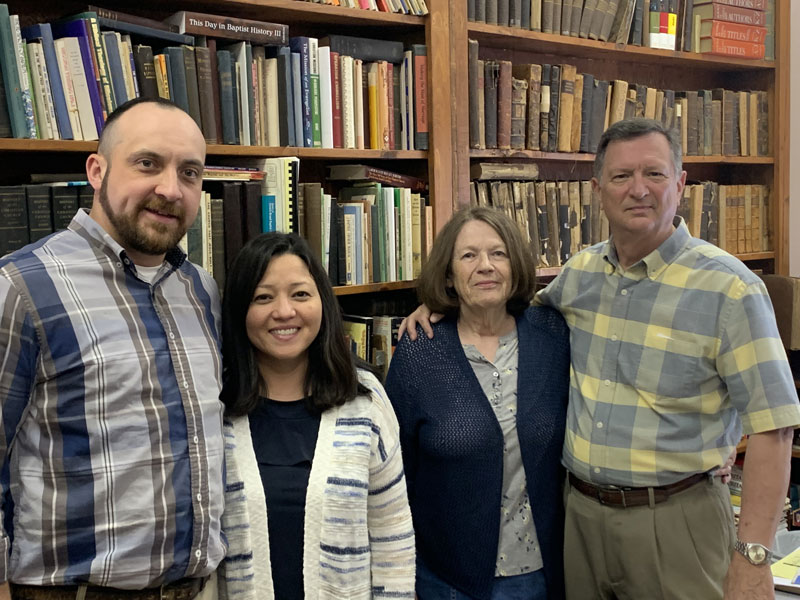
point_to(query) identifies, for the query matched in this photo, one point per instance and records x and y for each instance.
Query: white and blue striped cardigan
(358, 536)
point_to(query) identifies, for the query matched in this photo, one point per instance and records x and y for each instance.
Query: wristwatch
(756, 553)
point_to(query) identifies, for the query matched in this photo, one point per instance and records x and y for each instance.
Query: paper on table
(786, 568)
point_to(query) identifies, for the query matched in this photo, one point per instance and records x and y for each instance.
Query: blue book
(111, 47)
(358, 237)
(251, 100)
(268, 222)
(301, 46)
(177, 85)
(227, 105)
(297, 100)
(80, 29)
(43, 32)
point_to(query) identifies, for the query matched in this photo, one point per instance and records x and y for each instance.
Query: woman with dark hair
(316, 503)
(481, 437)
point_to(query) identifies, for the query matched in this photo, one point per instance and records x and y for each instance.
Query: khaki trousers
(677, 550)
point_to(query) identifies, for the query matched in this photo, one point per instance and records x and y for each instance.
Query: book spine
(205, 94)
(566, 100)
(192, 85)
(472, 74)
(555, 103)
(420, 67)
(325, 96)
(519, 101)
(751, 4)
(368, 50)
(544, 109)
(301, 45)
(227, 100)
(722, 12)
(586, 111)
(733, 31)
(13, 219)
(504, 105)
(257, 32)
(491, 76)
(24, 78)
(736, 48)
(336, 99)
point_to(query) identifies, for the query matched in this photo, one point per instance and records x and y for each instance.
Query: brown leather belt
(626, 497)
(183, 589)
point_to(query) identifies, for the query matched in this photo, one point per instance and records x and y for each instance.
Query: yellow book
(372, 89)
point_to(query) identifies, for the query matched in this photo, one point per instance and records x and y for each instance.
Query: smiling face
(149, 182)
(481, 270)
(639, 189)
(285, 314)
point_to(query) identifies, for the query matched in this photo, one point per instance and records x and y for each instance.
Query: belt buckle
(612, 489)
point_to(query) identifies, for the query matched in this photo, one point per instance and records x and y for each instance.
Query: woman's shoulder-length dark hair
(331, 379)
(432, 287)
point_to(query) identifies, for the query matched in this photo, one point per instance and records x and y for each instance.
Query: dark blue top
(453, 448)
(284, 438)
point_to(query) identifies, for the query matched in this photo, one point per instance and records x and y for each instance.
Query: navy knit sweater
(453, 448)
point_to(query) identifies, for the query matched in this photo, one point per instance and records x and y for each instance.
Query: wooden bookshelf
(662, 69)
(348, 290)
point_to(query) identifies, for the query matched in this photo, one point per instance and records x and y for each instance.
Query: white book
(43, 113)
(358, 102)
(406, 246)
(239, 51)
(349, 227)
(325, 96)
(391, 241)
(348, 102)
(24, 78)
(326, 230)
(127, 72)
(297, 96)
(272, 117)
(69, 90)
(81, 86)
(126, 39)
(259, 96)
(205, 231)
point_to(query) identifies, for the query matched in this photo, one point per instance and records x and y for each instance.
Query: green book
(313, 73)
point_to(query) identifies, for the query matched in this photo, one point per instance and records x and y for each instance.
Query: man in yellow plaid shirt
(675, 354)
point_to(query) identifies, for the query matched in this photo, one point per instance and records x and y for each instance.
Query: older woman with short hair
(481, 438)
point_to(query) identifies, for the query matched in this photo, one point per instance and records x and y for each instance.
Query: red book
(733, 31)
(382, 6)
(663, 22)
(336, 101)
(735, 48)
(753, 4)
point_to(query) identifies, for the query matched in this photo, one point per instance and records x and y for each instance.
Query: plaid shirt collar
(660, 258)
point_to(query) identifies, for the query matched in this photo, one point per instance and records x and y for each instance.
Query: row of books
(690, 25)
(405, 7)
(560, 218)
(373, 338)
(554, 108)
(61, 80)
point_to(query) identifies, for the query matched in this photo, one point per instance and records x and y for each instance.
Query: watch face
(756, 554)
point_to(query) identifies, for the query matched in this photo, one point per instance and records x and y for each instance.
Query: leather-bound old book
(680, 120)
(713, 212)
(705, 210)
(660, 106)
(669, 109)
(630, 104)
(505, 171)
(491, 12)
(600, 95)
(490, 79)
(205, 94)
(515, 13)
(566, 17)
(650, 103)
(532, 74)
(481, 104)
(574, 188)
(525, 14)
(586, 213)
(529, 192)
(472, 74)
(716, 127)
(575, 20)
(557, 5)
(608, 20)
(519, 106)
(145, 71)
(554, 247)
(544, 109)
(587, 14)
(692, 138)
(708, 122)
(762, 131)
(586, 111)
(541, 223)
(619, 95)
(480, 11)
(577, 125)
(536, 15)
(547, 16)
(566, 101)
(641, 98)
(695, 210)
(502, 12)
(595, 19)
(623, 21)
(743, 125)
(504, 105)
(564, 231)
(555, 94)
(637, 27)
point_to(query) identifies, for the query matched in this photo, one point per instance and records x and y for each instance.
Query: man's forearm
(764, 484)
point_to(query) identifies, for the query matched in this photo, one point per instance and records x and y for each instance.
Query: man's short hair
(629, 129)
(106, 134)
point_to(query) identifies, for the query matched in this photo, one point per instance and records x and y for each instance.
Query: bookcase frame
(24, 155)
(659, 68)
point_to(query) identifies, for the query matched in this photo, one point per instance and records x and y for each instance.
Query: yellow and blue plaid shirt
(671, 360)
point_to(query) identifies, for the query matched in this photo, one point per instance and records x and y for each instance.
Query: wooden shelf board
(546, 43)
(346, 290)
(24, 145)
(795, 452)
(756, 256)
(547, 271)
(586, 157)
(280, 11)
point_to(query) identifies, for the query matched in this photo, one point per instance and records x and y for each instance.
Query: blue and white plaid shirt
(111, 442)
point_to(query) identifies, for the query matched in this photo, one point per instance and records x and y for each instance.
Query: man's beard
(154, 239)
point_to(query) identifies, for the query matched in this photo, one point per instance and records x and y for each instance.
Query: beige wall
(794, 143)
